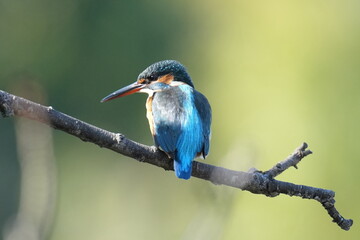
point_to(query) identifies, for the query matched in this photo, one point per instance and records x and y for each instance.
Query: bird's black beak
(132, 88)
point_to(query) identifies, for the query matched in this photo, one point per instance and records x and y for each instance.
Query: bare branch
(291, 161)
(255, 181)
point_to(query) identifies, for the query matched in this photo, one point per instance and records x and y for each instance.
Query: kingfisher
(178, 115)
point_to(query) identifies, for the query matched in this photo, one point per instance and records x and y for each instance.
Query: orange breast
(149, 114)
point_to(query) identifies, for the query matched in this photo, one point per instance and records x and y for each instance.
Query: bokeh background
(276, 73)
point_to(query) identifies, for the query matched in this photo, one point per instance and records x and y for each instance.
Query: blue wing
(204, 110)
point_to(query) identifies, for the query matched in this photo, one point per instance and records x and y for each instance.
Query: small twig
(255, 182)
(291, 161)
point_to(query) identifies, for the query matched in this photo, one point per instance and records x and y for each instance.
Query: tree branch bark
(253, 181)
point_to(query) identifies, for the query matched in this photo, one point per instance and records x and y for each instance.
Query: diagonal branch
(255, 181)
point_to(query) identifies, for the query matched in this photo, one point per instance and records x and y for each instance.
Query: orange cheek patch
(141, 81)
(168, 78)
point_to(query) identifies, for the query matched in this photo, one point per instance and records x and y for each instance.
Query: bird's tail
(182, 171)
(183, 168)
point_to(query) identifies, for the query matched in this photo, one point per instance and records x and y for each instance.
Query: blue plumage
(179, 116)
(178, 126)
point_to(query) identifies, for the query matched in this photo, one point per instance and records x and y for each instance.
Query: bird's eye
(151, 78)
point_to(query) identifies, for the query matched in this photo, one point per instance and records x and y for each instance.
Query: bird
(179, 116)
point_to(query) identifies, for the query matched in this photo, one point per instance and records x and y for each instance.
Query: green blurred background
(276, 73)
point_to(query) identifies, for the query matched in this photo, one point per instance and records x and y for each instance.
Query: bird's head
(155, 78)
